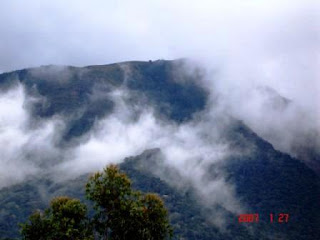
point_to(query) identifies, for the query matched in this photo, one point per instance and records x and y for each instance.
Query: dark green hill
(265, 180)
(273, 183)
(185, 212)
(68, 91)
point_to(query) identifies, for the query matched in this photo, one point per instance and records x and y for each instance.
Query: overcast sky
(79, 32)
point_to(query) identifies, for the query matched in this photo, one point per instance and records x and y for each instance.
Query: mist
(24, 151)
(249, 43)
(187, 149)
(260, 61)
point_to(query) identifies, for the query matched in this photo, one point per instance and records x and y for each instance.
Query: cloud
(245, 48)
(187, 148)
(11, 137)
(250, 43)
(23, 150)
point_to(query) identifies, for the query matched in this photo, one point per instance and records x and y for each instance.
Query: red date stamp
(254, 217)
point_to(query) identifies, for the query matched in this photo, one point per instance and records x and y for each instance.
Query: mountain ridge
(264, 180)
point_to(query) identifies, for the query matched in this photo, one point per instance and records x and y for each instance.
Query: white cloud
(246, 44)
(24, 150)
(188, 148)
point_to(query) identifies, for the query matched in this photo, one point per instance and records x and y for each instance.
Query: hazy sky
(79, 32)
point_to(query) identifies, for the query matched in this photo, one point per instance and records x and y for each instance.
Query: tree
(65, 219)
(37, 227)
(122, 213)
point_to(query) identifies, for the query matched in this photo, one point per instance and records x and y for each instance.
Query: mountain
(262, 179)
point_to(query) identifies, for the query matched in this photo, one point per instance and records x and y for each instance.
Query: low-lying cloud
(260, 58)
(248, 44)
(189, 148)
(24, 151)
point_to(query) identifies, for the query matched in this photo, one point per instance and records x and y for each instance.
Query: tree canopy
(64, 219)
(122, 213)
(119, 213)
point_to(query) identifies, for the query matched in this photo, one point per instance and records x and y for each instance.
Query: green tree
(122, 213)
(65, 219)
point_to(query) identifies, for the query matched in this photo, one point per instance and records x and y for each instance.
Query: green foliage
(267, 184)
(122, 213)
(37, 228)
(65, 219)
(108, 189)
(155, 217)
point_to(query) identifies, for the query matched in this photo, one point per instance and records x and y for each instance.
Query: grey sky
(98, 32)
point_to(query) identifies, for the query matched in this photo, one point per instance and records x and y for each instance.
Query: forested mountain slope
(254, 177)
